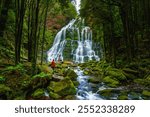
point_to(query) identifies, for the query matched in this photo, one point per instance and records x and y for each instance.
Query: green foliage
(18, 69)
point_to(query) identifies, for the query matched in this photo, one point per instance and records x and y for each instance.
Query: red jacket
(53, 64)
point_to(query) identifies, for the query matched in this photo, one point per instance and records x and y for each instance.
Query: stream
(90, 91)
(85, 90)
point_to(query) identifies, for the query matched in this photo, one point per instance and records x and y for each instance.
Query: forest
(120, 34)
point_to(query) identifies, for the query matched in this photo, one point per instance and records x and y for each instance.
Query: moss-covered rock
(70, 74)
(38, 94)
(40, 80)
(70, 97)
(76, 83)
(116, 73)
(146, 93)
(94, 80)
(122, 97)
(63, 88)
(143, 82)
(86, 72)
(57, 77)
(106, 93)
(54, 95)
(111, 82)
(130, 73)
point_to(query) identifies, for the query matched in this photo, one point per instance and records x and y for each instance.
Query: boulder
(38, 94)
(122, 97)
(146, 93)
(54, 95)
(40, 80)
(63, 88)
(106, 93)
(115, 73)
(110, 81)
(70, 74)
(94, 80)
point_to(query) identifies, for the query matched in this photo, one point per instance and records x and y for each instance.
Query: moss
(76, 83)
(86, 72)
(146, 93)
(4, 89)
(116, 73)
(63, 88)
(122, 97)
(144, 82)
(18, 70)
(70, 97)
(111, 82)
(128, 70)
(94, 80)
(54, 95)
(20, 98)
(38, 94)
(45, 69)
(70, 74)
(2, 79)
(40, 80)
(106, 93)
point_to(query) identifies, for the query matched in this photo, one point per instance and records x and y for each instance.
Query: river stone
(94, 80)
(54, 95)
(111, 82)
(116, 73)
(70, 97)
(106, 93)
(63, 88)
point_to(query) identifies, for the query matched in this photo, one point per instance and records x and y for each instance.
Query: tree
(20, 12)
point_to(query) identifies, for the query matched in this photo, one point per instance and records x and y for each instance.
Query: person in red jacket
(53, 64)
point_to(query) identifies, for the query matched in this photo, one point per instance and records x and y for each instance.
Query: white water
(82, 53)
(56, 51)
(84, 91)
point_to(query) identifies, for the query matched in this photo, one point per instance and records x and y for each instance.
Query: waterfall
(56, 51)
(83, 51)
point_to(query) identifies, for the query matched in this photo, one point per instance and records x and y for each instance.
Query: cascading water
(56, 51)
(85, 91)
(84, 49)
